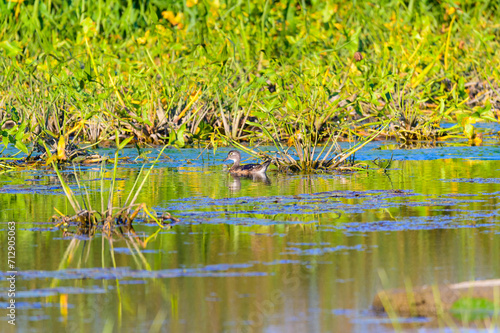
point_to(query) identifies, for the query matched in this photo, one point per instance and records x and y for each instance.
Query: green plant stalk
(146, 176)
(359, 146)
(67, 190)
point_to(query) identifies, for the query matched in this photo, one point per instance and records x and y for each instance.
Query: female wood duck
(247, 169)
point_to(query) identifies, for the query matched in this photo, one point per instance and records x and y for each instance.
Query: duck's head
(234, 156)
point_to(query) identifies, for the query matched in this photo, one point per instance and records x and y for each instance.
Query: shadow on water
(277, 253)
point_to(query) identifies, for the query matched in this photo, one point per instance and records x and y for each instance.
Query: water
(291, 253)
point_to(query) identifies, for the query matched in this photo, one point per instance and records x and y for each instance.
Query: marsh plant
(310, 157)
(88, 219)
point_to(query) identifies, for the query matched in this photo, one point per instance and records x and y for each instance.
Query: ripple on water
(222, 270)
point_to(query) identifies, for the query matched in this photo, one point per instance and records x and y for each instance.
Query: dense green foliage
(174, 71)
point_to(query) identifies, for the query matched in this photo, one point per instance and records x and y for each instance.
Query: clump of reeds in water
(110, 220)
(306, 154)
(409, 124)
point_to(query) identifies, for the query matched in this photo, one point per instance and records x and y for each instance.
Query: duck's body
(246, 169)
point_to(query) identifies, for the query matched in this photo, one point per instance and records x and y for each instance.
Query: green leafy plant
(13, 134)
(175, 72)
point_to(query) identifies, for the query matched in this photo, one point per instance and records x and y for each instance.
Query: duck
(246, 169)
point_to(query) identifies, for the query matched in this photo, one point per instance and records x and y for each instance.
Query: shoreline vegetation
(289, 73)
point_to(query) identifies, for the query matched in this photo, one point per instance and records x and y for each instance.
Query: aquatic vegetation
(307, 155)
(177, 73)
(45, 151)
(88, 220)
(302, 76)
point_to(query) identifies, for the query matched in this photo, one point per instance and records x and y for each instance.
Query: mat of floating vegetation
(53, 151)
(473, 298)
(72, 154)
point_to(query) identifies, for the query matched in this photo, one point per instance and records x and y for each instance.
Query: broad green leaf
(11, 49)
(124, 143)
(22, 147)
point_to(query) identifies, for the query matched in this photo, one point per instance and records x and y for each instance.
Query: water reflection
(235, 182)
(286, 253)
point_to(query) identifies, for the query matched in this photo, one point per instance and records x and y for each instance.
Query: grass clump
(87, 220)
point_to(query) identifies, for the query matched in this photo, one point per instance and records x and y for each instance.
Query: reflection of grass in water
(473, 308)
(113, 221)
(449, 306)
(70, 255)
